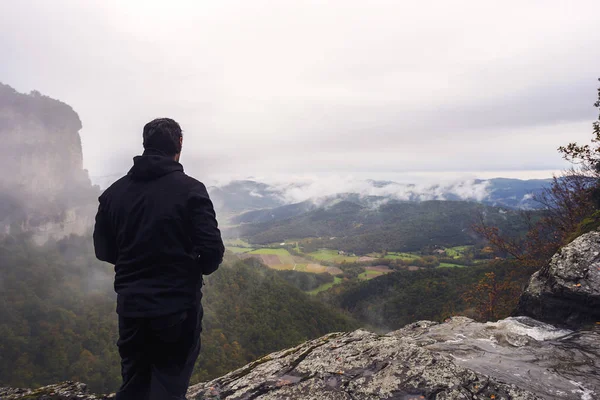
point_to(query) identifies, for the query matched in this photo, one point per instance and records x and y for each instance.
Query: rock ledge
(357, 365)
(567, 292)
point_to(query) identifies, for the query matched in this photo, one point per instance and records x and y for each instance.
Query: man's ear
(180, 142)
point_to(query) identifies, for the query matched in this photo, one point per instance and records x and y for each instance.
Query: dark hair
(163, 134)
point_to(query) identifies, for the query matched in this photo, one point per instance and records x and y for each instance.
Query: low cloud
(320, 188)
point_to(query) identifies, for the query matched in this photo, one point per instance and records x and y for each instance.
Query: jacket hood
(152, 165)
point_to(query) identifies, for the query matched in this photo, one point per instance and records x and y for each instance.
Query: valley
(352, 240)
(349, 267)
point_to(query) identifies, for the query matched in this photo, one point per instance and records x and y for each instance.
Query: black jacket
(158, 226)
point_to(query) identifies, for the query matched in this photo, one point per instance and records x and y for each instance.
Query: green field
(239, 250)
(326, 286)
(449, 265)
(331, 256)
(401, 256)
(277, 252)
(370, 274)
(456, 252)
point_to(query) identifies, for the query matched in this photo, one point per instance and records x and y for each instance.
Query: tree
(586, 156)
(493, 298)
(570, 206)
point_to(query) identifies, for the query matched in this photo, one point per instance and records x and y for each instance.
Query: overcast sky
(365, 88)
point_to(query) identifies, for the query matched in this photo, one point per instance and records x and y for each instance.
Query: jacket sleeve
(205, 235)
(105, 243)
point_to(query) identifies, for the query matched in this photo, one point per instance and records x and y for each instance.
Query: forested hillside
(394, 300)
(406, 226)
(57, 318)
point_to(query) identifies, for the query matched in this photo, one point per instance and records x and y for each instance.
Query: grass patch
(457, 251)
(278, 252)
(450, 265)
(239, 250)
(331, 256)
(370, 274)
(401, 256)
(326, 286)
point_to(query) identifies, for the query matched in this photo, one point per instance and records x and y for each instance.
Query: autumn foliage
(570, 208)
(566, 203)
(493, 298)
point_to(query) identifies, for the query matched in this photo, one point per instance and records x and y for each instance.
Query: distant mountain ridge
(263, 202)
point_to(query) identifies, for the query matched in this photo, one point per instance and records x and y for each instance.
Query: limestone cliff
(43, 186)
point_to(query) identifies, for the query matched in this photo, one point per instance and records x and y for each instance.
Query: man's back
(153, 213)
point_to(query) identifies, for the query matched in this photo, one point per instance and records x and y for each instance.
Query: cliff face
(567, 291)
(43, 186)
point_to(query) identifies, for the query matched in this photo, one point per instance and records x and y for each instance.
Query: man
(158, 227)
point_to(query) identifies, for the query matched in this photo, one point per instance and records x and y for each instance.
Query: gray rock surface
(567, 291)
(358, 365)
(553, 363)
(61, 391)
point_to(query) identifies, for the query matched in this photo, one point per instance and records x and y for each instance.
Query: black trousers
(158, 355)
